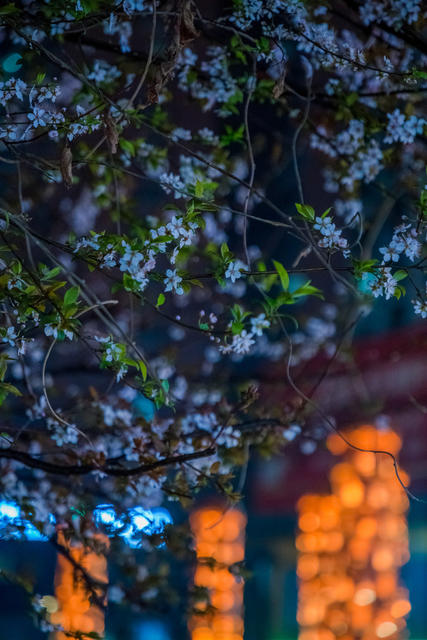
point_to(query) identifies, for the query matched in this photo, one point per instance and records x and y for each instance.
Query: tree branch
(84, 469)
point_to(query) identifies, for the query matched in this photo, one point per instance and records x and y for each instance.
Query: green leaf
(8, 9)
(225, 251)
(238, 313)
(160, 300)
(52, 273)
(196, 282)
(128, 282)
(284, 298)
(70, 310)
(71, 295)
(128, 146)
(399, 291)
(400, 275)
(237, 327)
(199, 188)
(17, 268)
(307, 289)
(417, 73)
(305, 211)
(351, 98)
(283, 275)
(143, 369)
(363, 266)
(3, 367)
(10, 388)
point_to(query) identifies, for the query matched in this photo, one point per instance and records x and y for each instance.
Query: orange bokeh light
(309, 521)
(383, 558)
(352, 543)
(219, 537)
(75, 612)
(308, 566)
(400, 608)
(367, 527)
(352, 493)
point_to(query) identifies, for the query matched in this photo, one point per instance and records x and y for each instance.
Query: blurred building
(384, 385)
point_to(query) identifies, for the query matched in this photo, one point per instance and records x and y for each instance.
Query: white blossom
(173, 282)
(12, 88)
(172, 183)
(383, 284)
(259, 323)
(420, 307)
(234, 270)
(403, 129)
(241, 344)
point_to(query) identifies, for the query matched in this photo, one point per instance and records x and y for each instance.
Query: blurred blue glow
(144, 407)
(152, 630)
(9, 510)
(104, 514)
(134, 524)
(10, 515)
(130, 526)
(12, 63)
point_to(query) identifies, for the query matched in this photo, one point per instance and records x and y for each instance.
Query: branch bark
(83, 469)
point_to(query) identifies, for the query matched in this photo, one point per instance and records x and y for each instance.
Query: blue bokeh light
(134, 524)
(130, 526)
(152, 630)
(12, 63)
(10, 517)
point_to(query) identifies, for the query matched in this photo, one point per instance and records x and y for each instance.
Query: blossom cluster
(383, 283)
(405, 241)
(331, 236)
(403, 129)
(150, 252)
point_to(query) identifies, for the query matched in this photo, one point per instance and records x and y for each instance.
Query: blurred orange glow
(219, 536)
(386, 584)
(351, 493)
(386, 629)
(352, 543)
(342, 473)
(365, 594)
(366, 527)
(336, 445)
(359, 549)
(309, 521)
(365, 463)
(308, 566)
(378, 495)
(75, 612)
(202, 633)
(223, 601)
(400, 608)
(333, 541)
(307, 542)
(383, 558)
